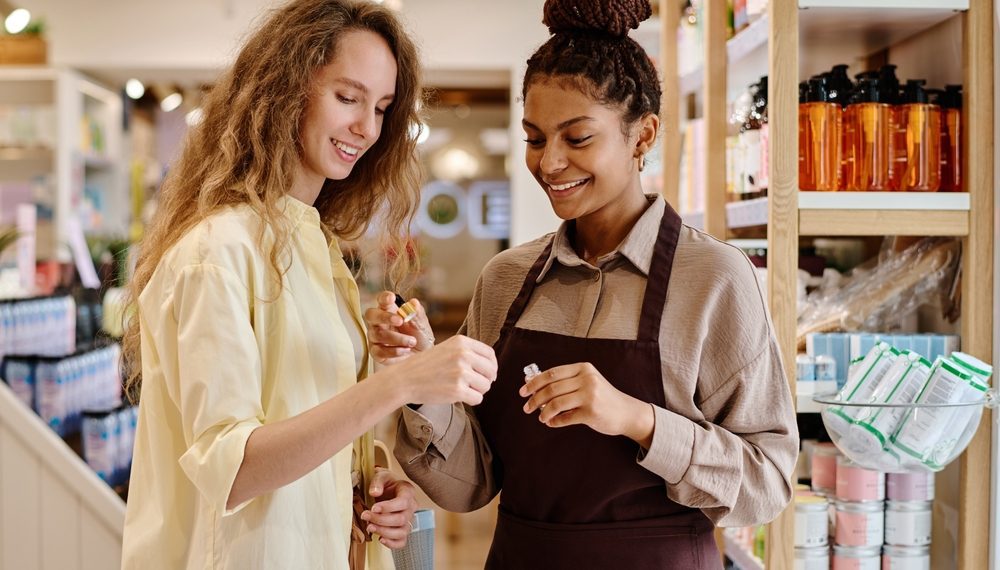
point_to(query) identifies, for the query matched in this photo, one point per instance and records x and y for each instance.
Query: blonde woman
(253, 446)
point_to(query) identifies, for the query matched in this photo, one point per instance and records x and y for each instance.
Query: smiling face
(343, 118)
(578, 153)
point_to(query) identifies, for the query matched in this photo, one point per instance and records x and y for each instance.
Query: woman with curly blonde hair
(253, 447)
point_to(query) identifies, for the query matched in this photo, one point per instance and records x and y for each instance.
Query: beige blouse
(727, 441)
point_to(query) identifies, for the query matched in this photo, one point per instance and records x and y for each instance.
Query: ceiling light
(17, 21)
(134, 88)
(171, 102)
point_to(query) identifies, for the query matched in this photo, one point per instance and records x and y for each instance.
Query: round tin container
(908, 523)
(860, 525)
(858, 484)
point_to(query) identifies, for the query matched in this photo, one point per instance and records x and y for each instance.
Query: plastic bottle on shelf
(750, 140)
(921, 121)
(950, 101)
(765, 138)
(889, 84)
(820, 119)
(868, 129)
(737, 121)
(841, 90)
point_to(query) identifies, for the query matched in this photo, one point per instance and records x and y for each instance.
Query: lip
(581, 183)
(345, 156)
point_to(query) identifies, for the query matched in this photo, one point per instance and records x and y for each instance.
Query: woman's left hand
(578, 394)
(392, 514)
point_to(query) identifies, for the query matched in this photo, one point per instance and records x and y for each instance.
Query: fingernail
(371, 529)
(366, 516)
(527, 408)
(523, 391)
(377, 509)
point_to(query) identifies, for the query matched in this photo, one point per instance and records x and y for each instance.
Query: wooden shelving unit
(801, 38)
(81, 156)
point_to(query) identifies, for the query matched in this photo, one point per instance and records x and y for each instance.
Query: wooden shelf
(34, 154)
(844, 29)
(866, 213)
(743, 559)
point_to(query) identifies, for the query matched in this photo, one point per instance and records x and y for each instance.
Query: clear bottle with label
(820, 139)
(868, 131)
(921, 121)
(950, 101)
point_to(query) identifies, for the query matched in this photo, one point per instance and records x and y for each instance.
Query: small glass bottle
(820, 139)
(922, 123)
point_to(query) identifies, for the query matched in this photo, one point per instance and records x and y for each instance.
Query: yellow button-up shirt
(224, 351)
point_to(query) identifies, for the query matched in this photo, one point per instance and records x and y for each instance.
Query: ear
(646, 130)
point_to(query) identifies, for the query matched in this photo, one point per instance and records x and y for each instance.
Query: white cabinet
(61, 146)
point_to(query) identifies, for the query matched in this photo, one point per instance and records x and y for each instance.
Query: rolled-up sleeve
(737, 467)
(218, 377)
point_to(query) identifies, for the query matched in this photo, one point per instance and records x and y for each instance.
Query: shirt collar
(637, 246)
(297, 210)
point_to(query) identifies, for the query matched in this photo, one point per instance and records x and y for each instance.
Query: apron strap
(653, 301)
(658, 280)
(521, 301)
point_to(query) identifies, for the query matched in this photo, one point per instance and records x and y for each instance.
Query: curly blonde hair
(247, 148)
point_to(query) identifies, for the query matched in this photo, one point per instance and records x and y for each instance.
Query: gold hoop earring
(642, 162)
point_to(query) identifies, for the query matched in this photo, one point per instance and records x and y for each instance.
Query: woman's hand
(459, 369)
(390, 338)
(392, 514)
(578, 394)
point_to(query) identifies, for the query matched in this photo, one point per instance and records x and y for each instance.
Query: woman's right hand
(390, 339)
(459, 369)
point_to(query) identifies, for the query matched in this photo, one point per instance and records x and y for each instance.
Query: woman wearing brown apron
(661, 409)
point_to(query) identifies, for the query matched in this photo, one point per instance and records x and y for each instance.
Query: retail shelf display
(804, 37)
(744, 560)
(747, 42)
(63, 135)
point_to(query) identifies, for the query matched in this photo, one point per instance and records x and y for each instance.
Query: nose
(553, 159)
(366, 125)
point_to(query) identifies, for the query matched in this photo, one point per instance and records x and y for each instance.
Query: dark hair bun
(613, 17)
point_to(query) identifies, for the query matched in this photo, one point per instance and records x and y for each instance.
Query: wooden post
(977, 273)
(783, 223)
(670, 104)
(715, 117)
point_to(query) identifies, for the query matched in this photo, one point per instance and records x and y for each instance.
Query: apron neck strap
(517, 307)
(660, 267)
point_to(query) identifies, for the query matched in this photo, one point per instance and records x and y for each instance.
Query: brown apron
(573, 498)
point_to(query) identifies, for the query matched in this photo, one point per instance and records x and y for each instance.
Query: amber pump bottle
(869, 127)
(819, 139)
(841, 88)
(889, 84)
(921, 121)
(950, 101)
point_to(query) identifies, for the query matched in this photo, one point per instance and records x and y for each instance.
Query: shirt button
(597, 276)
(426, 429)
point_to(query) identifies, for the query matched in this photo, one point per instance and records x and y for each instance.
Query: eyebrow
(361, 87)
(561, 125)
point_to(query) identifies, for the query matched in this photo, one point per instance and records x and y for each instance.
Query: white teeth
(562, 187)
(348, 149)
